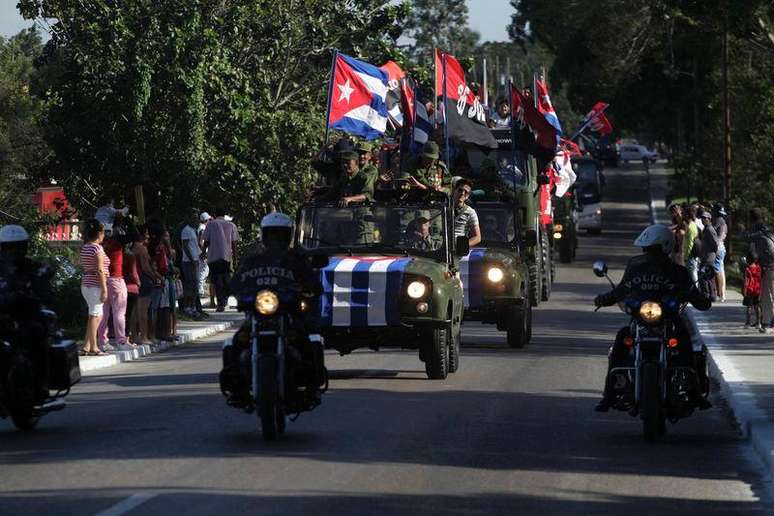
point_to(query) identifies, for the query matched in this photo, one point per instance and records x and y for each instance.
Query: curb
(186, 336)
(754, 424)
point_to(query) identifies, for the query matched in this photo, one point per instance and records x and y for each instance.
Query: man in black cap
(328, 160)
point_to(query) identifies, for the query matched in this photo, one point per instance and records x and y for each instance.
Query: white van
(636, 152)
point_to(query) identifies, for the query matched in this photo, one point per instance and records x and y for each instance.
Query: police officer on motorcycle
(25, 288)
(275, 264)
(654, 274)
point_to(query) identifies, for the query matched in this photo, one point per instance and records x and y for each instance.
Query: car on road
(565, 232)
(495, 275)
(637, 152)
(589, 185)
(607, 152)
(382, 290)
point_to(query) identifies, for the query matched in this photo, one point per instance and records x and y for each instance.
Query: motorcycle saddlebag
(65, 370)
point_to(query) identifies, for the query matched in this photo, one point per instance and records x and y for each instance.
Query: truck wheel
(566, 251)
(518, 326)
(454, 351)
(534, 284)
(545, 276)
(437, 354)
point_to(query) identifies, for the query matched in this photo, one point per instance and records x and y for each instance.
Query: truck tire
(454, 351)
(534, 283)
(518, 326)
(436, 354)
(545, 276)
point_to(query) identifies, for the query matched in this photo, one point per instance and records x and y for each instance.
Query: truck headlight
(495, 274)
(266, 302)
(558, 227)
(416, 289)
(650, 311)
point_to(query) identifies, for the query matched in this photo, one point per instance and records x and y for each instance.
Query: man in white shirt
(191, 253)
(220, 238)
(502, 117)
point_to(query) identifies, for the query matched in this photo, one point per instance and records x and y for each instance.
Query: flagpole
(534, 89)
(435, 90)
(513, 134)
(330, 93)
(445, 116)
(486, 91)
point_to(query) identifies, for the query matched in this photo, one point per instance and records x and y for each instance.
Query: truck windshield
(503, 164)
(496, 222)
(382, 229)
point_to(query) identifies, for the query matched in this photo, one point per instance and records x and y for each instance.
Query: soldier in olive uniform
(367, 166)
(430, 172)
(328, 161)
(418, 235)
(355, 186)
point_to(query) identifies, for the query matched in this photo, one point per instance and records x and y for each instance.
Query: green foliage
(440, 24)
(200, 102)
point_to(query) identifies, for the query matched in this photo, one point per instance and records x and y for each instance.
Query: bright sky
(488, 17)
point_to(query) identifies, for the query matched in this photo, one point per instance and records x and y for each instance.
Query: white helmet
(276, 220)
(657, 234)
(13, 233)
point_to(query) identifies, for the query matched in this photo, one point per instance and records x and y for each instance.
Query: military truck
(516, 179)
(495, 275)
(392, 279)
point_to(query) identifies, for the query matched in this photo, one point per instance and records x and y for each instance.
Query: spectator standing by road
(678, 229)
(149, 278)
(762, 245)
(189, 244)
(106, 213)
(721, 228)
(94, 263)
(690, 247)
(132, 280)
(220, 238)
(752, 292)
(204, 270)
(115, 306)
(709, 251)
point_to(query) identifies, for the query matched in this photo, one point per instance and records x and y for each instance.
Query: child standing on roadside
(752, 290)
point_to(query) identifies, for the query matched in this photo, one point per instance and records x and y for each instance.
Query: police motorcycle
(277, 360)
(656, 383)
(37, 365)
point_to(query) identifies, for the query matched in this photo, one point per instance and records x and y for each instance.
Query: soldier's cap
(431, 150)
(344, 145)
(421, 220)
(364, 147)
(349, 154)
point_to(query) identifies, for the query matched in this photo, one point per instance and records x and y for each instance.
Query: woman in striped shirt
(94, 263)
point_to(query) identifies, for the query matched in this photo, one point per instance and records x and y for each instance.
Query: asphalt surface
(513, 432)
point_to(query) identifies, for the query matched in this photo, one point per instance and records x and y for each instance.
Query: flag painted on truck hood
(362, 291)
(473, 276)
(358, 98)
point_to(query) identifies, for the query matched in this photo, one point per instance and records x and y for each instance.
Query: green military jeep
(495, 274)
(395, 286)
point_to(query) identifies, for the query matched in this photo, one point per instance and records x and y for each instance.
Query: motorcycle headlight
(650, 311)
(416, 289)
(266, 302)
(495, 274)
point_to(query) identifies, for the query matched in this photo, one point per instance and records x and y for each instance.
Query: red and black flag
(527, 119)
(464, 116)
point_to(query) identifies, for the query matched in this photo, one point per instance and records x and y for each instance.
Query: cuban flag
(423, 124)
(473, 275)
(565, 175)
(362, 292)
(546, 108)
(357, 100)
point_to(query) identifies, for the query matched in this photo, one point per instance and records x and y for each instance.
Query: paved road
(512, 433)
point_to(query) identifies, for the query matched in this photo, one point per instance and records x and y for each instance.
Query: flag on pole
(422, 124)
(525, 114)
(596, 120)
(395, 76)
(546, 108)
(357, 104)
(463, 114)
(564, 174)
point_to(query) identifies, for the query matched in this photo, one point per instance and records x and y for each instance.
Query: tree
(440, 24)
(199, 102)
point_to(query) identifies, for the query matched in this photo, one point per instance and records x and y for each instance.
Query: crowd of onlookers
(700, 244)
(135, 280)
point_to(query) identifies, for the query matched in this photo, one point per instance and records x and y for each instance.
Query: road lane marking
(128, 504)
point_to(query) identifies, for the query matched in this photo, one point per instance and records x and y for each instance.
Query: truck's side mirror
(530, 238)
(461, 246)
(600, 268)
